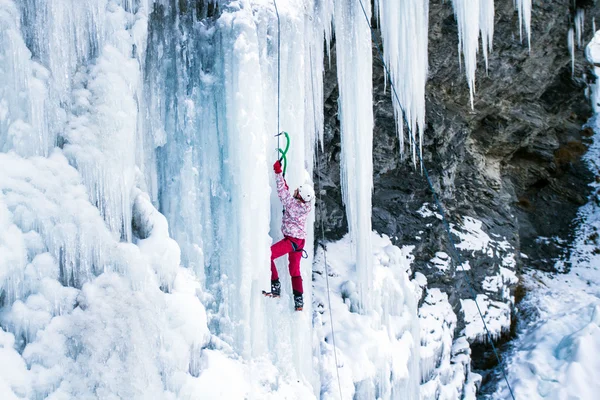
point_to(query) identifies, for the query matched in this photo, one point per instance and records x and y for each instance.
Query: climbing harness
(296, 249)
(436, 199)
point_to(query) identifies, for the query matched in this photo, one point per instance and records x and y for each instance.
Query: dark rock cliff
(512, 162)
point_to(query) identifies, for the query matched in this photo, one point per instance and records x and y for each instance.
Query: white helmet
(306, 192)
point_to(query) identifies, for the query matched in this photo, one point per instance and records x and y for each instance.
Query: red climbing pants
(283, 247)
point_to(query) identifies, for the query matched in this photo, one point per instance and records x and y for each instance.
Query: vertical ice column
(571, 46)
(579, 25)
(524, 9)
(354, 68)
(467, 17)
(404, 28)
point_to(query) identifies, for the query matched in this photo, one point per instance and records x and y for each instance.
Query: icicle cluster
(404, 29)
(524, 9)
(467, 17)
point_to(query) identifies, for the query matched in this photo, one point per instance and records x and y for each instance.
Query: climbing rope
(337, 369)
(436, 199)
(278, 76)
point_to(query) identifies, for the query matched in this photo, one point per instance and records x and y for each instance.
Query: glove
(277, 167)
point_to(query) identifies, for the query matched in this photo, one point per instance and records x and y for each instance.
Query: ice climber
(296, 208)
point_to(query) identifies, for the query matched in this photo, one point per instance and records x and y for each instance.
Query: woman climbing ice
(296, 208)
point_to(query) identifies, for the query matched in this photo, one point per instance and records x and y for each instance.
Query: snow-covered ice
(377, 355)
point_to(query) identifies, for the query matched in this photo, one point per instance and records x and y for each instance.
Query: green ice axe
(283, 153)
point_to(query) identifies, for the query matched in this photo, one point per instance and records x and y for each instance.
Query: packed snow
(554, 355)
(377, 355)
(445, 360)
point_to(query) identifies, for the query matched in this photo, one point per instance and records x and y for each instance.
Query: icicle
(579, 24)
(404, 29)
(571, 45)
(354, 68)
(524, 9)
(467, 16)
(486, 26)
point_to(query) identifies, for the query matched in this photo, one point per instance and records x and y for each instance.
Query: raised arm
(282, 187)
(282, 191)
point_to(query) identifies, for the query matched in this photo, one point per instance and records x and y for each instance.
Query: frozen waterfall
(138, 204)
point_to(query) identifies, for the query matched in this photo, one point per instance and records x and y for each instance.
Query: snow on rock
(445, 363)
(496, 315)
(377, 351)
(441, 261)
(426, 212)
(438, 322)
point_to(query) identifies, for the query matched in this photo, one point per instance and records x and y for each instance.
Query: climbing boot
(275, 289)
(298, 301)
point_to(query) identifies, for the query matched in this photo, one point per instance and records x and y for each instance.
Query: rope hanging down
(337, 370)
(436, 199)
(278, 76)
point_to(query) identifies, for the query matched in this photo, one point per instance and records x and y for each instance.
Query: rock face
(512, 162)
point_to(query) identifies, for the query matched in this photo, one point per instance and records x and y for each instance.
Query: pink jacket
(294, 216)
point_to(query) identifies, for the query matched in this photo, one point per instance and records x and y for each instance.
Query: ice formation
(474, 18)
(392, 323)
(445, 361)
(466, 13)
(579, 25)
(354, 68)
(571, 46)
(404, 29)
(486, 26)
(524, 9)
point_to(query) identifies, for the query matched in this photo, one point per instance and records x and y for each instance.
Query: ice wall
(215, 120)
